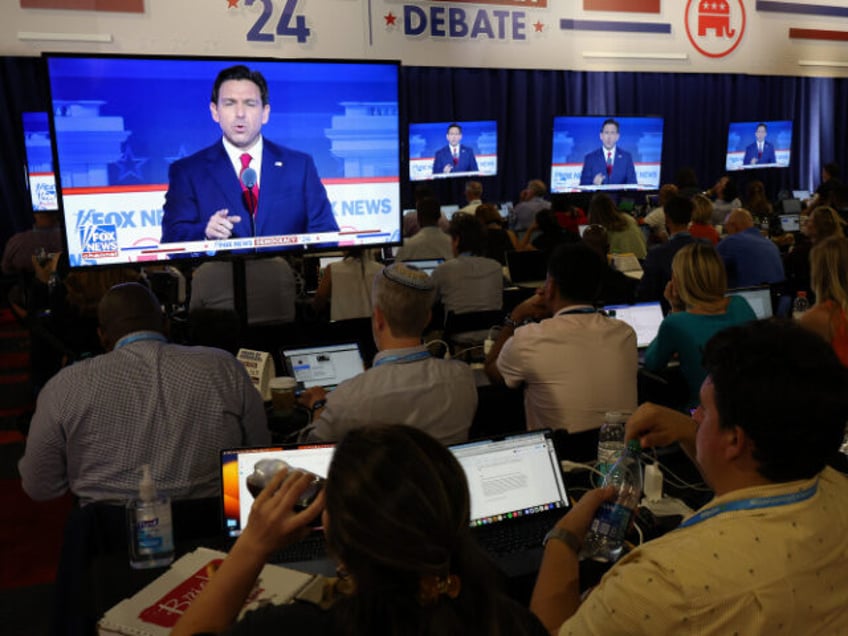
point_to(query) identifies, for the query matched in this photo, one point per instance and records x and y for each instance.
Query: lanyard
(137, 337)
(753, 503)
(409, 357)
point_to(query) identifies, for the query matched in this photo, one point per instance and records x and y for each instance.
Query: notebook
(426, 265)
(628, 265)
(326, 366)
(527, 268)
(645, 318)
(238, 463)
(758, 297)
(517, 495)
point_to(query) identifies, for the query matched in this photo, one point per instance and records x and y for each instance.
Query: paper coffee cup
(282, 393)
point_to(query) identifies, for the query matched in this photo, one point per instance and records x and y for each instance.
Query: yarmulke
(408, 276)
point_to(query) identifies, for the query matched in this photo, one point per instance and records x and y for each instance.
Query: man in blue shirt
(750, 258)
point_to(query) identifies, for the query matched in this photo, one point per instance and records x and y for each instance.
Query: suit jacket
(292, 199)
(467, 160)
(657, 269)
(751, 154)
(623, 170)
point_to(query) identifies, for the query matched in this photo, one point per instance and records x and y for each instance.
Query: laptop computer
(237, 464)
(790, 222)
(645, 318)
(426, 265)
(527, 268)
(449, 210)
(325, 365)
(758, 297)
(517, 495)
(801, 194)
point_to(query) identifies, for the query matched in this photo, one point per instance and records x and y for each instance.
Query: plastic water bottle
(610, 440)
(605, 538)
(800, 305)
(150, 530)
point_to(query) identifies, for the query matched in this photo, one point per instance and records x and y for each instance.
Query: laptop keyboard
(507, 538)
(311, 548)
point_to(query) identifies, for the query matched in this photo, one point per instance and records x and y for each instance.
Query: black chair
(94, 572)
(469, 330)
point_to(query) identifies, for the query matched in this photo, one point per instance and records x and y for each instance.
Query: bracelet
(566, 536)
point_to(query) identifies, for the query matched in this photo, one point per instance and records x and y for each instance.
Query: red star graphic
(232, 3)
(539, 26)
(390, 19)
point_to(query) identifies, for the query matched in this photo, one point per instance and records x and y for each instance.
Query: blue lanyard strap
(753, 503)
(137, 337)
(409, 357)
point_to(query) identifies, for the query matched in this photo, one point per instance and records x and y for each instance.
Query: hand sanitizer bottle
(151, 534)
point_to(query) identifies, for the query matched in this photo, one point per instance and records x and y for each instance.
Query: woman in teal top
(699, 310)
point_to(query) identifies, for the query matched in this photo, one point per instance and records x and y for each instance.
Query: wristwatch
(509, 322)
(566, 536)
(316, 405)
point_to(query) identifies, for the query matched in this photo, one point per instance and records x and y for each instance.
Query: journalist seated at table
(767, 555)
(401, 385)
(396, 517)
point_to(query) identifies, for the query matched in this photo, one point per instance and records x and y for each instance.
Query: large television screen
(439, 150)
(606, 153)
(758, 144)
(40, 180)
(142, 167)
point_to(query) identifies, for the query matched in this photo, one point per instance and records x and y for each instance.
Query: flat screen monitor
(142, 166)
(40, 179)
(606, 153)
(440, 150)
(759, 144)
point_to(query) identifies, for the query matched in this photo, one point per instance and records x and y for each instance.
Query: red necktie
(760, 154)
(609, 164)
(251, 200)
(455, 157)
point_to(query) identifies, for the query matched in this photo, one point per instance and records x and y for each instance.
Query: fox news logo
(99, 241)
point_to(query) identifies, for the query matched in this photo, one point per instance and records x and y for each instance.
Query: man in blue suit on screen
(609, 164)
(454, 157)
(244, 185)
(760, 151)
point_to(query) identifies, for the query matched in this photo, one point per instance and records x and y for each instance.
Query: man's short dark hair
(240, 72)
(679, 210)
(454, 125)
(470, 232)
(784, 386)
(429, 211)
(577, 272)
(762, 124)
(610, 121)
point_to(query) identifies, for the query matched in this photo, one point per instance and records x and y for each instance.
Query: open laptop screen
(759, 298)
(237, 464)
(645, 318)
(326, 365)
(426, 265)
(512, 477)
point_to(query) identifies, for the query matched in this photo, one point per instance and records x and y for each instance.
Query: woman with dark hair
(625, 237)
(499, 240)
(397, 521)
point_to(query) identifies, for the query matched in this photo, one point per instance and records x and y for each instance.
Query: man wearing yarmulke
(405, 384)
